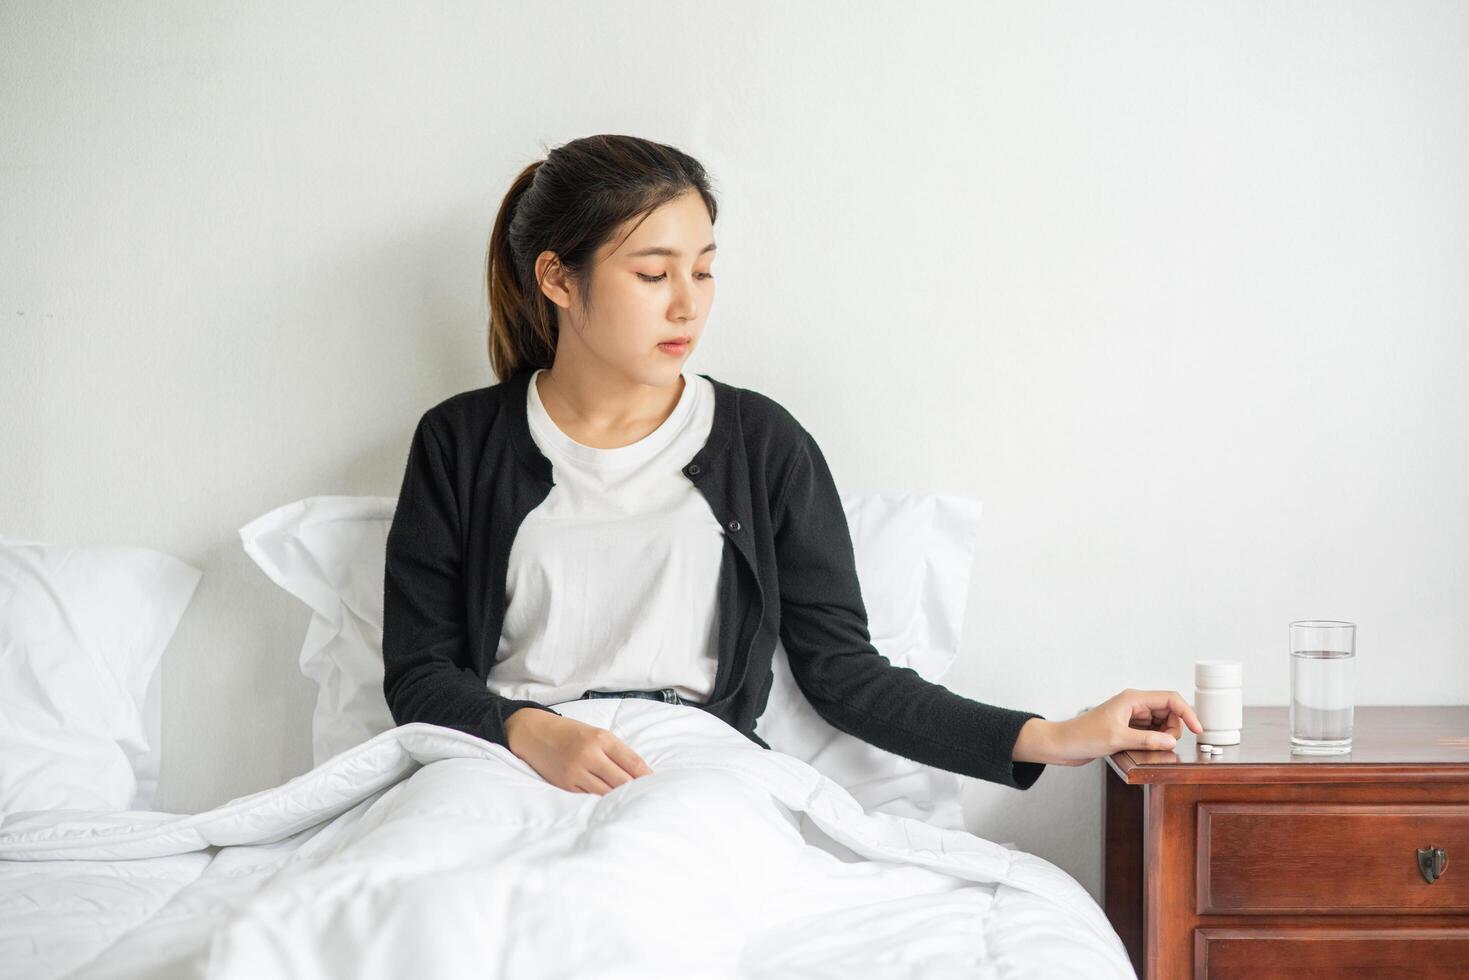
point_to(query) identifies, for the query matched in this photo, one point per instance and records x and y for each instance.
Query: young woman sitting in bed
(602, 523)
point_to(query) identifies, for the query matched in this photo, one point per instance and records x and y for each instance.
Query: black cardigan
(788, 570)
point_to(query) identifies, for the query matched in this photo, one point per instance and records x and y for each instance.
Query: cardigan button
(694, 469)
(734, 525)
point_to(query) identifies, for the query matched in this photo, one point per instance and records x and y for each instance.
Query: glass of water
(1322, 653)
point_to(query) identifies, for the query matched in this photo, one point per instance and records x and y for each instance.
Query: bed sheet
(427, 852)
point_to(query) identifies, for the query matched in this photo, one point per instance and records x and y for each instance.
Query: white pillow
(82, 635)
(914, 557)
(915, 553)
(329, 552)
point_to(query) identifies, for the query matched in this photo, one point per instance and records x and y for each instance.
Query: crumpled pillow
(914, 557)
(82, 635)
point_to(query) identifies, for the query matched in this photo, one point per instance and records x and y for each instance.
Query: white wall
(1177, 290)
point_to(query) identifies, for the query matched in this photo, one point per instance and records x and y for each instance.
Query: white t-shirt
(613, 578)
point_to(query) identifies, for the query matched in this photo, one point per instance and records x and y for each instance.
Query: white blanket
(427, 853)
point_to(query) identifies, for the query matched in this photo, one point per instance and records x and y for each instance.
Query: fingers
(615, 765)
(622, 754)
(610, 773)
(1168, 705)
(1182, 710)
(1168, 721)
(590, 782)
(1148, 740)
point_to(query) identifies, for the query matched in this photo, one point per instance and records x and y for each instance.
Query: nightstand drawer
(1246, 954)
(1332, 858)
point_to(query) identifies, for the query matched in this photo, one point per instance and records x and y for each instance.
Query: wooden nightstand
(1259, 863)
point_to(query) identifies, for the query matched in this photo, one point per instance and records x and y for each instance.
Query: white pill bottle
(1219, 700)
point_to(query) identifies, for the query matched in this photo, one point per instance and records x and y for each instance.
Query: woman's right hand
(1146, 720)
(571, 754)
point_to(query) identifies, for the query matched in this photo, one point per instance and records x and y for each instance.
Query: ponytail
(522, 323)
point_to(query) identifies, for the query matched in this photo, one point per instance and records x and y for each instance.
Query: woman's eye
(661, 276)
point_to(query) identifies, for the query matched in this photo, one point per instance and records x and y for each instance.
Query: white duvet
(427, 853)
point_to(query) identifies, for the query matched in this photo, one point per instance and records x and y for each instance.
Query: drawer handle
(1432, 861)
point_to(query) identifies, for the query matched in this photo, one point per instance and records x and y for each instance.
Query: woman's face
(646, 287)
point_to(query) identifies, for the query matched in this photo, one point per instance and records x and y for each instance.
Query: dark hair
(571, 203)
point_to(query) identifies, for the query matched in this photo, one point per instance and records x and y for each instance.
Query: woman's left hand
(1147, 720)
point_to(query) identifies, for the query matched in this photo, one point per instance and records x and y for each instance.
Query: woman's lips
(673, 348)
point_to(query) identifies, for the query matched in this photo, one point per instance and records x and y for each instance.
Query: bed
(420, 851)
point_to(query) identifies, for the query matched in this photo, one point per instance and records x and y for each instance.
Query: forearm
(823, 625)
(898, 710)
(1035, 741)
(452, 698)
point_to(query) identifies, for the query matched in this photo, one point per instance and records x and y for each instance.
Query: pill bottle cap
(1218, 673)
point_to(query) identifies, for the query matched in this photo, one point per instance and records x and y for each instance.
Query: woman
(602, 523)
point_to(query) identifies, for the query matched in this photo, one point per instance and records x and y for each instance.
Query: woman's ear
(553, 281)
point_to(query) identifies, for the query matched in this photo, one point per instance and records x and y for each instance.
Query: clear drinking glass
(1322, 654)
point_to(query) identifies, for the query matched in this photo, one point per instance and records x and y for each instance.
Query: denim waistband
(667, 694)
